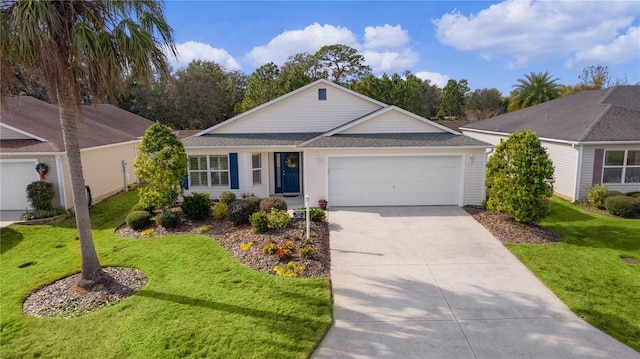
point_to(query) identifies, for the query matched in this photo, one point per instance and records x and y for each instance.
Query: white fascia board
(422, 148)
(30, 135)
(33, 153)
(109, 145)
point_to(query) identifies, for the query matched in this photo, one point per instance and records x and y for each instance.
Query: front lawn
(198, 302)
(585, 270)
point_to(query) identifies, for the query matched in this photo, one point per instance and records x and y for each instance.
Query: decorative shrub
(246, 195)
(623, 206)
(239, 212)
(220, 211)
(269, 248)
(246, 246)
(306, 252)
(316, 214)
(196, 207)
(278, 219)
(282, 254)
(40, 195)
(141, 207)
(148, 232)
(259, 222)
(597, 194)
(168, 219)
(273, 202)
(227, 197)
(137, 220)
(287, 245)
(205, 228)
(613, 193)
(634, 194)
(291, 269)
(255, 201)
(38, 214)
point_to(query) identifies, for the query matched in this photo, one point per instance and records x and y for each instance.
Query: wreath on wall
(292, 161)
(42, 169)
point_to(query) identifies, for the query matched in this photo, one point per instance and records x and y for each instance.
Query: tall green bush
(520, 178)
(196, 207)
(40, 195)
(162, 163)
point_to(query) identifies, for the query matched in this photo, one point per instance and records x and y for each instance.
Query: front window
(256, 168)
(621, 166)
(209, 170)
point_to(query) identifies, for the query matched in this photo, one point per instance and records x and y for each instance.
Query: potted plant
(323, 204)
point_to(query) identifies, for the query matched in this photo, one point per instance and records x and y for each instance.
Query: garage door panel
(379, 181)
(13, 189)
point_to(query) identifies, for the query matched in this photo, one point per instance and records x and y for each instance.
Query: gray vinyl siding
(586, 173)
(392, 122)
(565, 162)
(303, 112)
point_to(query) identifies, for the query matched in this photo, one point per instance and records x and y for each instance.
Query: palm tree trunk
(70, 118)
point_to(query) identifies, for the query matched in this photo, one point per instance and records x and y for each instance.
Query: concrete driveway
(430, 282)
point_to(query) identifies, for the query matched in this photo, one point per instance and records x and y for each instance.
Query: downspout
(576, 187)
(484, 177)
(63, 192)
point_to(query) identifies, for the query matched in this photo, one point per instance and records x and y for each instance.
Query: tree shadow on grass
(9, 238)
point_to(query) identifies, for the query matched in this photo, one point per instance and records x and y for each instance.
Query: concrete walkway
(430, 282)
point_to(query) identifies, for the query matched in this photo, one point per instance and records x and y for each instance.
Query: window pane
(198, 178)
(633, 158)
(256, 161)
(632, 175)
(213, 162)
(614, 158)
(197, 162)
(257, 176)
(220, 178)
(612, 175)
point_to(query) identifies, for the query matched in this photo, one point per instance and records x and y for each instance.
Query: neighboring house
(331, 143)
(30, 133)
(592, 137)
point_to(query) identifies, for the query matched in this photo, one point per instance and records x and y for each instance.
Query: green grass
(198, 301)
(585, 270)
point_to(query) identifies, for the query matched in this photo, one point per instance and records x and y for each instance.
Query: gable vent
(322, 94)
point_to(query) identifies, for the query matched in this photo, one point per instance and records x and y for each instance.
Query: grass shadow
(9, 238)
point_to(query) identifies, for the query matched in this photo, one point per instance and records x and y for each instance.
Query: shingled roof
(104, 125)
(607, 115)
(373, 140)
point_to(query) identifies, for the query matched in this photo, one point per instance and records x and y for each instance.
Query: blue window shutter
(185, 183)
(233, 170)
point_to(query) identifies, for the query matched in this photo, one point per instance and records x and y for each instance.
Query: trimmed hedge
(227, 197)
(168, 219)
(623, 206)
(278, 219)
(220, 211)
(273, 202)
(239, 211)
(597, 194)
(196, 207)
(259, 222)
(40, 195)
(137, 220)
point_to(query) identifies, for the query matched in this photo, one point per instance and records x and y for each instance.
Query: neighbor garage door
(15, 176)
(394, 181)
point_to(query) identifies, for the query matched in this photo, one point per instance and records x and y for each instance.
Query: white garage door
(15, 176)
(394, 181)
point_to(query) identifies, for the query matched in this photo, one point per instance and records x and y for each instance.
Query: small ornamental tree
(520, 178)
(162, 163)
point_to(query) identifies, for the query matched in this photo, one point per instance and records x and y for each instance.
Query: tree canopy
(73, 46)
(534, 89)
(453, 99)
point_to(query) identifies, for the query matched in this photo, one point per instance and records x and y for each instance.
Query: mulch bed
(507, 230)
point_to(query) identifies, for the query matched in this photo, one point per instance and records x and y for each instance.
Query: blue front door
(287, 171)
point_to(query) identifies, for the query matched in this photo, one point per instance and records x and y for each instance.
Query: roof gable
(391, 119)
(611, 114)
(301, 111)
(11, 133)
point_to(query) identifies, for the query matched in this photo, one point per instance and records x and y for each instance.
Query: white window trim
(256, 169)
(623, 166)
(210, 171)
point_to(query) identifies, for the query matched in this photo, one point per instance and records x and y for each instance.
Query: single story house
(328, 142)
(30, 134)
(592, 137)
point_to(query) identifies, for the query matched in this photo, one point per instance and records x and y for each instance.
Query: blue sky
(489, 43)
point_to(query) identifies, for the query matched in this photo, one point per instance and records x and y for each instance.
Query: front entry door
(287, 172)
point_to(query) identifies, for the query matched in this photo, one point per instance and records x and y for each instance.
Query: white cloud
(192, 50)
(385, 47)
(436, 78)
(292, 42)
(524, 32)
(625, 47)
(386, 37)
